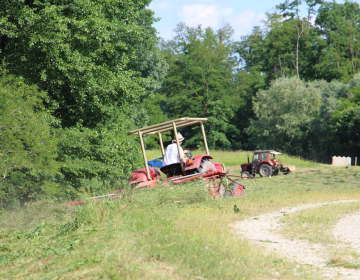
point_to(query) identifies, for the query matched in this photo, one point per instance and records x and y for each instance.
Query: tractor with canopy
(218, 182)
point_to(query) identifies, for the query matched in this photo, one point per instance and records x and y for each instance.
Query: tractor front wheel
(245, 174)
(205, 165)
(265, 170)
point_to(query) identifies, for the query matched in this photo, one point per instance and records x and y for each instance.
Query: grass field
(170, 232)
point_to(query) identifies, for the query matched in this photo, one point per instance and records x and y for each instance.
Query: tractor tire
(265, 170)
(205, 165)
(245, 174)
(232, 186)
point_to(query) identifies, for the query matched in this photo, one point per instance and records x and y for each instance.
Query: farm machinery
(265, 164)
(218, 181)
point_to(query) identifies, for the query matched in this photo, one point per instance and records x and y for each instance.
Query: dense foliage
(89, 58)
(27, 147)
(82, 53)
(247, 90)
(201, 82)
(314, 119)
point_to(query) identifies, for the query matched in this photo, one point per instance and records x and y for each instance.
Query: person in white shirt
(172, 154)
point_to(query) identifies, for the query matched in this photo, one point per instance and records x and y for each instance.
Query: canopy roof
(167, 126)
(268, 151)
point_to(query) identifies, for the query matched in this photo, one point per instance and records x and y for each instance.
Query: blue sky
(242, 15)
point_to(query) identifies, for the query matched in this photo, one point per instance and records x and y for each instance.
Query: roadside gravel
(261, 231)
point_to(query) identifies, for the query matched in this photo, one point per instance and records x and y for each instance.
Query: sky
(242, 15)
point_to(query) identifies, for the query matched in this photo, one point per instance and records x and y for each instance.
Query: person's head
(180, 138)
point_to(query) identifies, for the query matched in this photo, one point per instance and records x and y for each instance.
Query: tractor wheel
(232, 186)
(245, 174)
(265, 170)
(205, 165)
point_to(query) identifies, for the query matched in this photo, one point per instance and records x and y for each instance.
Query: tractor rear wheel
(265, 170)
(205, 165)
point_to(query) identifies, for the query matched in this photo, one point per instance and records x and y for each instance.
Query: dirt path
(261, 231)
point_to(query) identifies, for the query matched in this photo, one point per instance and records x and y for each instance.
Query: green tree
(100, 158)
(345, 122)
(200, 81)
(283, 116)
(340, 26)
(276, 50)
(96, 60)
(291, 11)
(321, 139)
(346, 132)
(27, 147)
(85, 54)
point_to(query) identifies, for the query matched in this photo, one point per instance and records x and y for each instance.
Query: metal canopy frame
(268, 151)
(168, 126)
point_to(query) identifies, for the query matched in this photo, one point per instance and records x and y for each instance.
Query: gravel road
(261, 231)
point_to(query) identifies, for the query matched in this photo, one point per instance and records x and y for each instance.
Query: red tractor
(263, 163)
(194, 167)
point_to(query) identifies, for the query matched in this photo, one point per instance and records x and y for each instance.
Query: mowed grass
(164, 233)
(169, 232)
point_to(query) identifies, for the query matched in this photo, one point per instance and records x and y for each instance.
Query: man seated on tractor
(172, 154)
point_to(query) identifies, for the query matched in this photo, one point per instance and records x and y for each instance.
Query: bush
(27, 147)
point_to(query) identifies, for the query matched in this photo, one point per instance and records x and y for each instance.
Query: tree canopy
(201, 81)
(95, 60)
(85, 54)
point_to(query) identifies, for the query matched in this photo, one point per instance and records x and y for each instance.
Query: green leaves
(346, 132)
(79, 52)
(339, 25)
(27, 146)
(200, 81)
(25, 137)
(284, 112)
(89, 56)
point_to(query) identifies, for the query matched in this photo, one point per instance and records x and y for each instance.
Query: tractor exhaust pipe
(248, 158)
